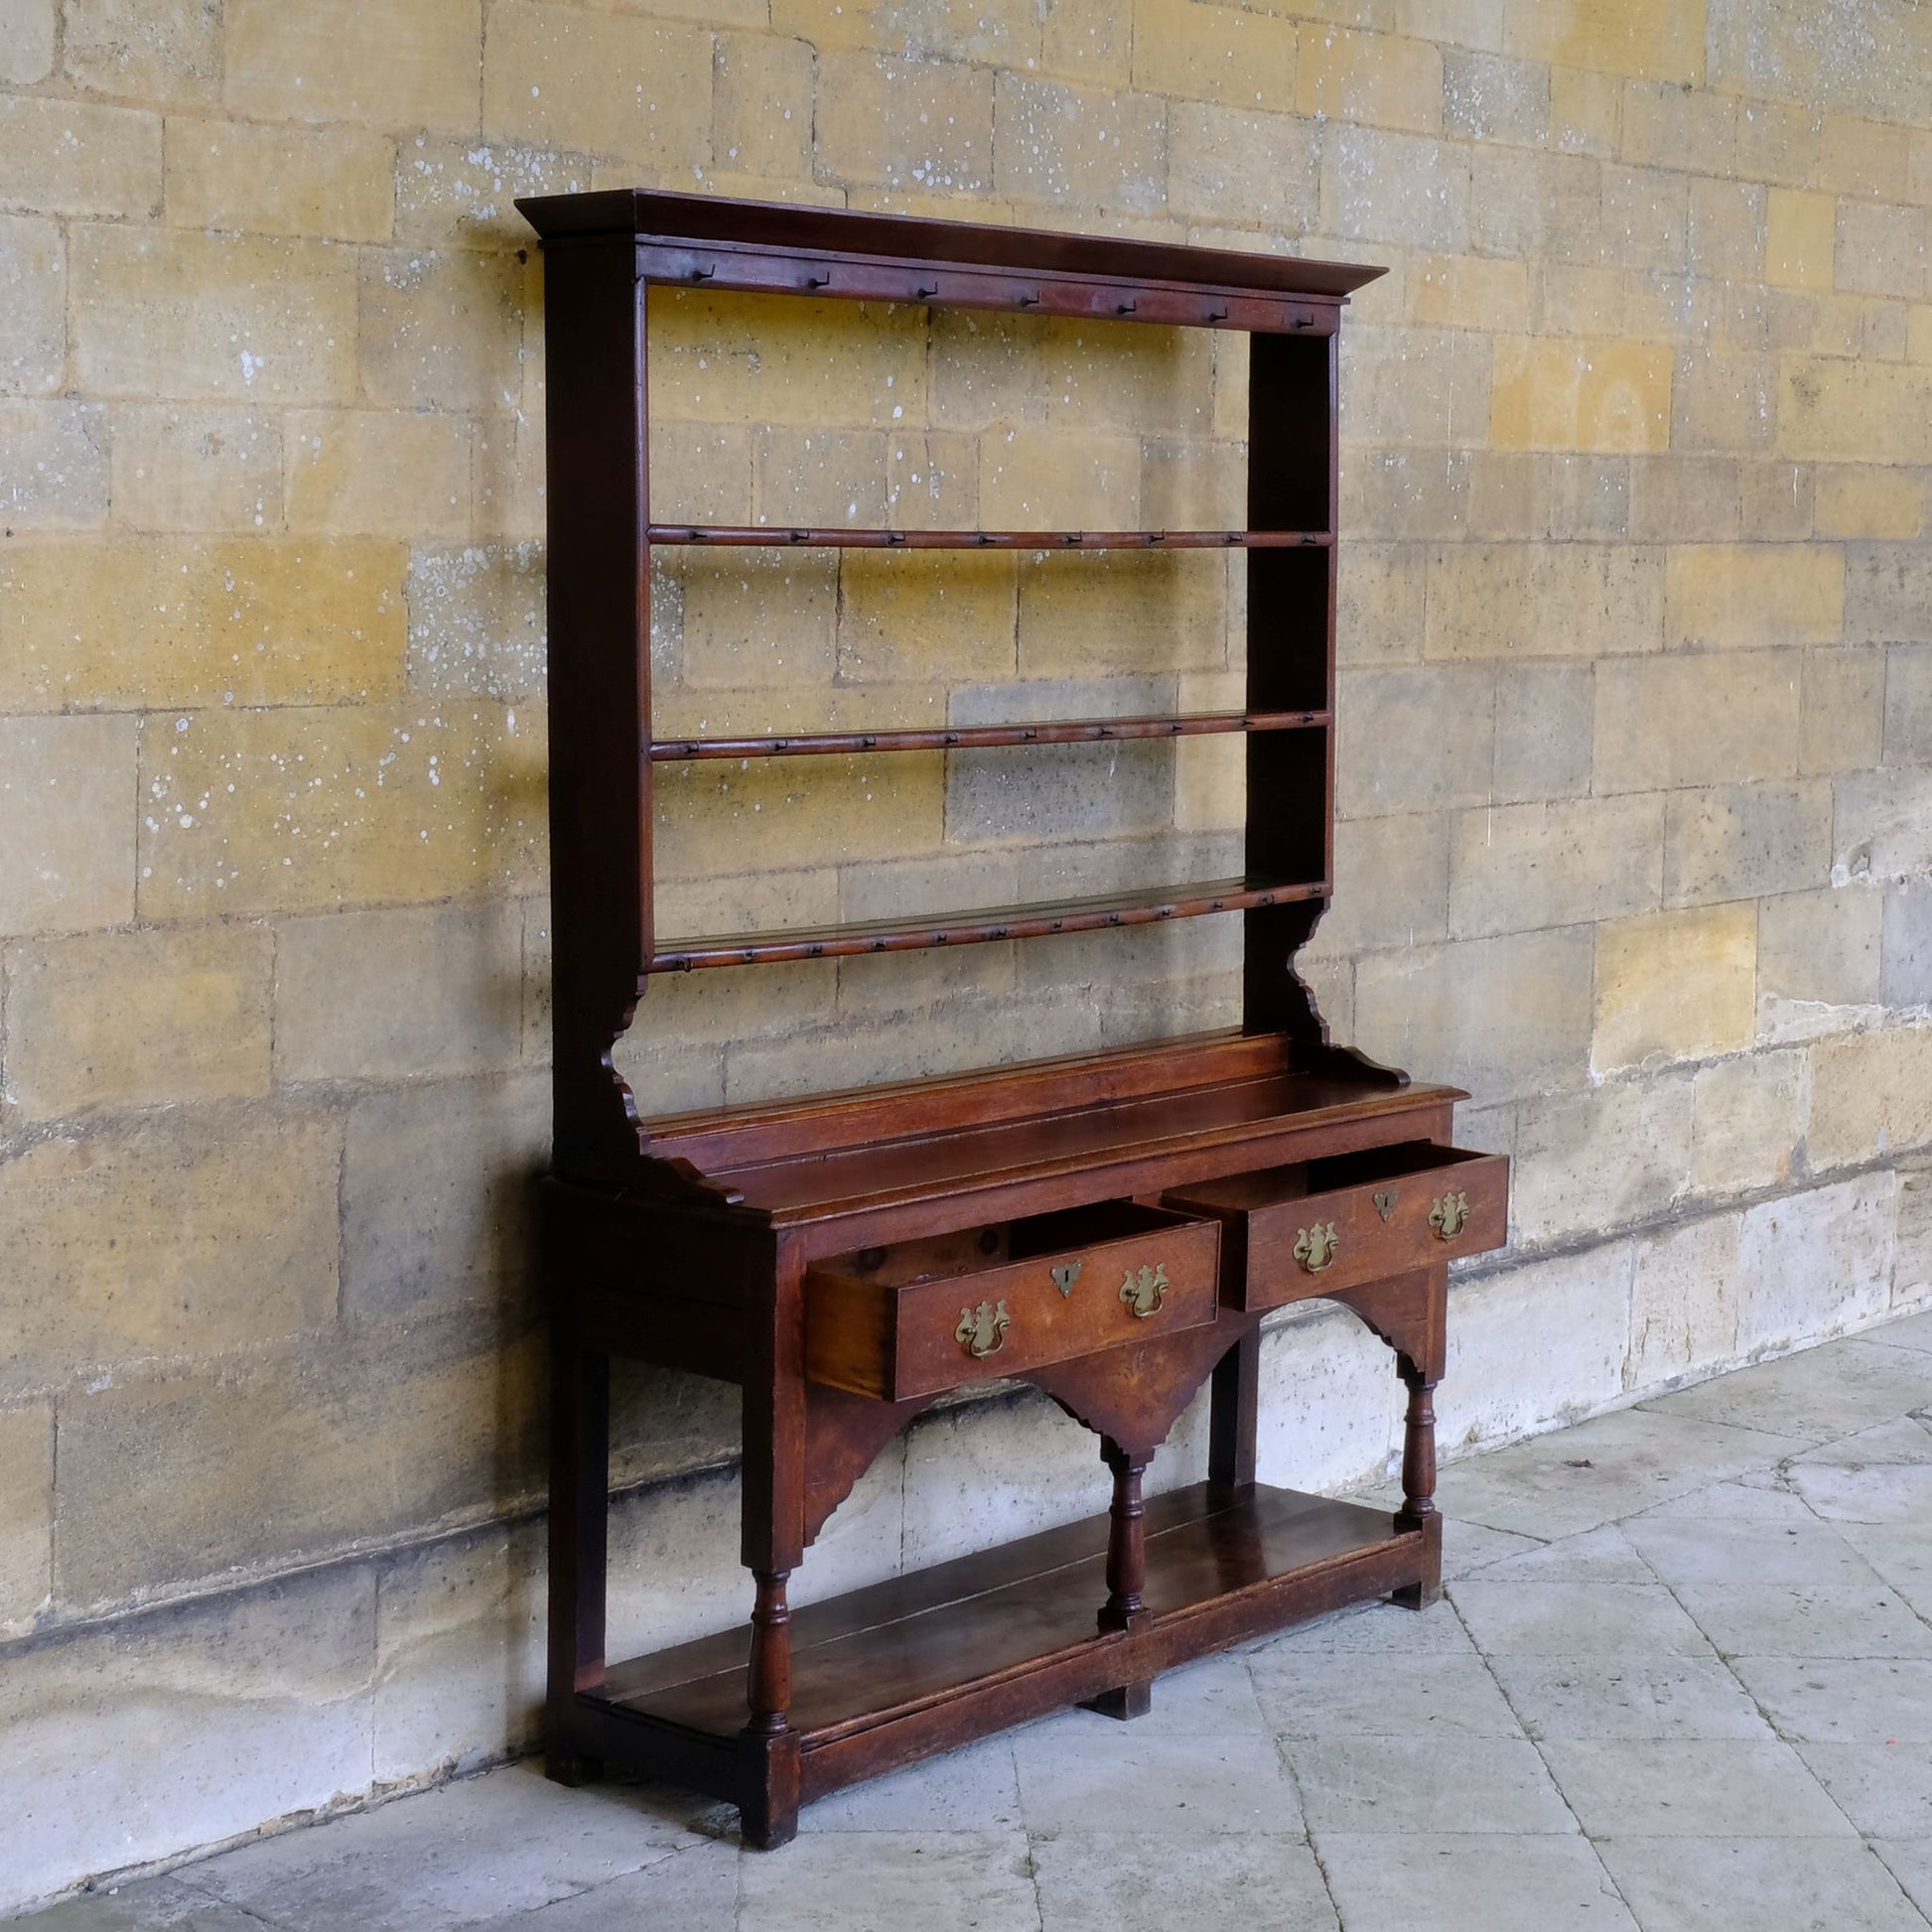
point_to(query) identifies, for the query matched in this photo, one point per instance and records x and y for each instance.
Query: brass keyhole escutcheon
(1145, 1291)
(1384, 1200)
(1065, 1276)
(981, 1331)
(1315, 1248)
(1448, 1215)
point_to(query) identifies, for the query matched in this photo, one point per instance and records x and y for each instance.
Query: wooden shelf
(785, 536)
(970, 737)
(1245, 1561)
(1142, 907)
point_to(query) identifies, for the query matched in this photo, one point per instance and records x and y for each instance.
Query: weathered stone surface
(137, 1018)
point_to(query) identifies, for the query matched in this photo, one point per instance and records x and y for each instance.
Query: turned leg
(1419, 1510)
(1126, 1572)
(580, 1465)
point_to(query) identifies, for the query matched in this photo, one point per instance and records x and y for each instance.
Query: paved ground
(1682, 1681)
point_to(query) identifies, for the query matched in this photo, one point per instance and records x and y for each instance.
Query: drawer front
(1310, 1244)
(924, 1337)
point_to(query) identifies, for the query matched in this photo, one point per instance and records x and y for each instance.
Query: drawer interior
(1326, 1176)
(969, 1250)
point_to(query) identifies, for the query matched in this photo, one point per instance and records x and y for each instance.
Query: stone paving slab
(1681, 1682)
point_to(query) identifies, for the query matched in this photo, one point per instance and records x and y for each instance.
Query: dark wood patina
(1111, 1227)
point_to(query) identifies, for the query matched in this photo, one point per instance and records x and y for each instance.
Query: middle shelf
(1136, 906)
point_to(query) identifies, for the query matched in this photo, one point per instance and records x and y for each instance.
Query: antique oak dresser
(1113, 1227)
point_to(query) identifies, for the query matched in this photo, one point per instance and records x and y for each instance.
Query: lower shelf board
(1014, 1630)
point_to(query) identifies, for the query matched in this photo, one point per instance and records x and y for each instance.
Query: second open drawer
(1308, 1229)
(923, 1316)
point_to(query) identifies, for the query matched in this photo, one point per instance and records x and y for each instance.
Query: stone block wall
(1636, 756)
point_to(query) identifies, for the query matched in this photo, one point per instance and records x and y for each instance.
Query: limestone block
(1673, 126)
(1379, 602)
(1391, 883)
(1087, 146)
(235, 318)
(1536, 206)
(67, 156)
(1515, 868)
(1414, 740)
(1330, 1404)
(1816, 1264)
(462, 193)
(905, 123)
(1888, 600)
(330, 807)
(1816, 951)
(1586, 110)
(89, 1715)
(1709, 719)
(1646, 219)
(65, 785)
(1131, 614)
(1675, 986)
(1749, 1121)
(1212, 53)
(1684, 1293)
(1905, 946)
(1591, 395)
(1380, 80)
(1836, 411)
(196, 467)
(53, 465)
(26, 1514)
(1612, 1156)
(439, 1197)
(138, 1019)
(441, 328)
(1471, 292)
(1727, 229)
(33, 294)
(1497, 599)
(1749, 595)
(178, 1238)
(1800, 240)
(1871, 1095)
(476, 616)
(1866, 500)
(262, 1463)
(1879, 825)
(980, 1474)
(460, 1653)
(1650, 39)
(281, 181)
(1404, 188)
(1491, 98)
(1543, 732)
(1882, 249)
(1746, 841)
(178, 622)
(737, 358)
(1046, 479)
(1542, 1343)
(761, 105)
(25, 41)
(375, 996)
(1841, 722)
(414, 65)
(1413, 389)
(1497, 1017)
(1263, 167)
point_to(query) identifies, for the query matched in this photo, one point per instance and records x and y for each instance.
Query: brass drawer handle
(1144, 1293)
(1315, 1248)
(981, 1331)
(1450, 1215)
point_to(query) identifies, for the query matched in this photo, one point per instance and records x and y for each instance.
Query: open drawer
(923, 1316)
(1319, 1225)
